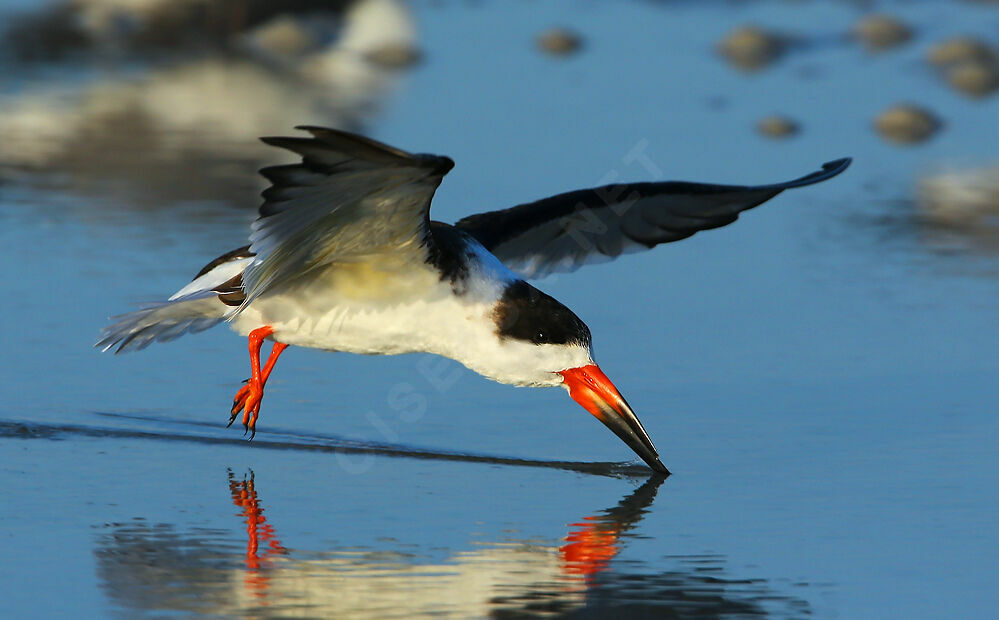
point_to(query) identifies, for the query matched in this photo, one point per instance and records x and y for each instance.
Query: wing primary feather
(563, 232)
(829, 170)
(358, 146)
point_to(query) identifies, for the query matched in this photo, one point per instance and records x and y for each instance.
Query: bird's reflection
(144, 567)
(590, 543)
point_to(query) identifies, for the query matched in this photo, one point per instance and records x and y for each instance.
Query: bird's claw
(247, 401)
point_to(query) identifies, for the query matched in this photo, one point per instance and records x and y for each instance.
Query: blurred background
(820, 376)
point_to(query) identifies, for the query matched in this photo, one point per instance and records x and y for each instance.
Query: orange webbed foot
(247, 399)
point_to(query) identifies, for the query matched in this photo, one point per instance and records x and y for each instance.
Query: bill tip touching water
(344, 257)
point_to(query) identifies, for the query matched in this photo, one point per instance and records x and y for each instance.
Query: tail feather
(161, 322)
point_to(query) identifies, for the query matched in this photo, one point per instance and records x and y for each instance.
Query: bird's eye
(540, 337)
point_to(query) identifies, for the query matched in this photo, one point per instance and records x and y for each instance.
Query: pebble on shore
(751, 48)
(881, 32)
(960, 199)
(559, 42)
(777, 126)
(907, 124)
(967, 65)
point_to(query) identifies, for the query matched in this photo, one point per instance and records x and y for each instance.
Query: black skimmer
(344, 257)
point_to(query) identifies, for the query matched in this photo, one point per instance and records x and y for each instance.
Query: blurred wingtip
(837, 165)
(828, 171)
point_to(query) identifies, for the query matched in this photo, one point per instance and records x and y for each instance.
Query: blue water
(819, 376)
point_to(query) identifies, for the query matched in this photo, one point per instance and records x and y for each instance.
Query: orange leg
(249, 396)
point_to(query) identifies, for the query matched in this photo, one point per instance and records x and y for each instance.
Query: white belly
(360, 308)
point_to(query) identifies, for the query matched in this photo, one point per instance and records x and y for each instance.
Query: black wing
(566, 231)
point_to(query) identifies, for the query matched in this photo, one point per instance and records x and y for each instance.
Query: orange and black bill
(591, 388)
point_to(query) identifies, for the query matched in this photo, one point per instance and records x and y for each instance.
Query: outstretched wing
(348, 198)
(566, 231)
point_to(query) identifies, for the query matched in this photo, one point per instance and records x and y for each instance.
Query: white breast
(383, 306)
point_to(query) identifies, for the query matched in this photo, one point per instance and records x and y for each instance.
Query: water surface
(819, 376)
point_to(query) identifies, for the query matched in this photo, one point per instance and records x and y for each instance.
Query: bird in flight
(344, 257)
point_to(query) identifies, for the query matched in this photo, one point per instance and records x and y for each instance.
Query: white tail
(163, 321)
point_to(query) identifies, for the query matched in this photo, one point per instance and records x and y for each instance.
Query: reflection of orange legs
(249, 396)
(590, 547)
(244, 495)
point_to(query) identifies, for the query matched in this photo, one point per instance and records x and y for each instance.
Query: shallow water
(819, 376)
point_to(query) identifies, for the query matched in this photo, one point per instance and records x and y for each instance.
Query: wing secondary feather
(348, 198)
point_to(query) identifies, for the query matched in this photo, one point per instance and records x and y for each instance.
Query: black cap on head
(525, 313)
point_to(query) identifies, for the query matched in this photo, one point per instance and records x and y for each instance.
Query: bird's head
(552, 346)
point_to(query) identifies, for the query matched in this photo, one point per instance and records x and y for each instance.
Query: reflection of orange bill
(589, 548)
